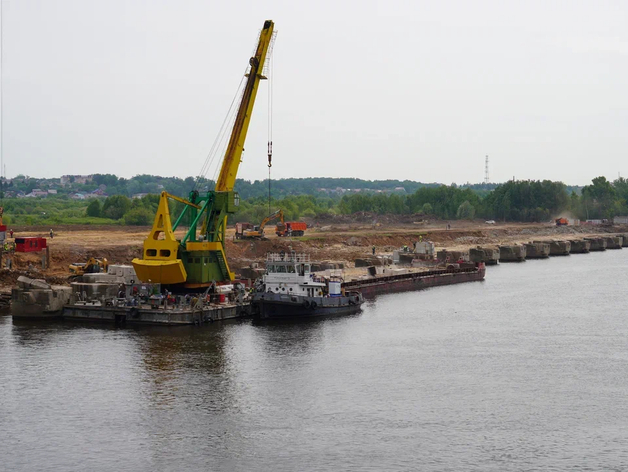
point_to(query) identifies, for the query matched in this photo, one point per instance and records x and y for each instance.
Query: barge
(417, 280)
(185, 315)
(115, 297)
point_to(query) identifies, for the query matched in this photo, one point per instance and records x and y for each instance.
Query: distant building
(77, 179)
(77, 196)
(52, 191)
(139, 195)
(36, 192)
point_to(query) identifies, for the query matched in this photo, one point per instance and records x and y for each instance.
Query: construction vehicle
(562, 222)
(290, 228)
(241, 227)
(92, 266)
(199, 259)
(257, 232)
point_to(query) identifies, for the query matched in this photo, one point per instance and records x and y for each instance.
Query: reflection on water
(524, 371)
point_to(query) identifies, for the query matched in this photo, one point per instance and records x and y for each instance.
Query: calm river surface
(527, 370)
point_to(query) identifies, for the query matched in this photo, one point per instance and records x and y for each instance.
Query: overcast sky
(419, 90)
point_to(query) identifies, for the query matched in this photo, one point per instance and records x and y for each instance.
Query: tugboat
(290, 290)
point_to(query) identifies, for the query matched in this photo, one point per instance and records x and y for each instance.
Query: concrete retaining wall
(538, 250)
(614, 242)
(580, 246)
(490, 256)
(597, 244)
(512, 253)
(560, 248)
(445, 255)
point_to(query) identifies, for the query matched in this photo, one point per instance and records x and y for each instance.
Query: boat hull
(270, 305)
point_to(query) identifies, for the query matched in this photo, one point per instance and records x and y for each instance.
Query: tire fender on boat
(306, 303)
(313, 304)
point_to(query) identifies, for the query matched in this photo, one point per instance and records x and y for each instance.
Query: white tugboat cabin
(290, 274)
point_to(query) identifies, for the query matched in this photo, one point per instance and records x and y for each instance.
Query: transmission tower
(486, 177)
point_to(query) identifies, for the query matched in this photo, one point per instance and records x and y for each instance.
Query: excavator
(92, 266)
(198, 259)
(258, 231)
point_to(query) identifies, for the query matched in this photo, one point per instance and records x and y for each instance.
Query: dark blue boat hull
(277, 306)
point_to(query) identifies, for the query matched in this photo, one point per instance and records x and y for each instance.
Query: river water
(527, 370)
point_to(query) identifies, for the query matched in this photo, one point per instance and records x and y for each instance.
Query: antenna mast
(486, 177)
(1, 99)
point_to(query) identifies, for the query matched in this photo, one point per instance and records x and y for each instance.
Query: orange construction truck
(291, 228)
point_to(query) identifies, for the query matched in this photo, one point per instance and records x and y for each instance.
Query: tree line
(149, 184)
(516, 201)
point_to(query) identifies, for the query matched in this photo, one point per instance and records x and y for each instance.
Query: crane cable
(270, 125)
(231, 116)
(218, 144)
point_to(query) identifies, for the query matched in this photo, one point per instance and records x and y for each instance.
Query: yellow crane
(199, 259)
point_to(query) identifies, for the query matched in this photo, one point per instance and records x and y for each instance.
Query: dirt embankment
(330, 242)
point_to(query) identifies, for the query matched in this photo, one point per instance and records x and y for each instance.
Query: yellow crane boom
(233, 156)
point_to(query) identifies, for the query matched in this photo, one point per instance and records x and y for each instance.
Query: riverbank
(335, 244)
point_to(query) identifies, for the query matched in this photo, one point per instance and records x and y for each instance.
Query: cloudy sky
(418, 90)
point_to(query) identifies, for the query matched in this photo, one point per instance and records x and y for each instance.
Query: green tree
(93, 209)
(427, 209)
(465, 211)
(116, 206)
(527, 200)
(599, 199)
(138, 217)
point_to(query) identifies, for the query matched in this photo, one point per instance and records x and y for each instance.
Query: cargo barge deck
(415, 280)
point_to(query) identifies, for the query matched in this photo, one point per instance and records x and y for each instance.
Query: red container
(221, 298)
(30, 244)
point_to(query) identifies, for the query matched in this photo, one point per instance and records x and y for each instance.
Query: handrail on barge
(291, 256)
